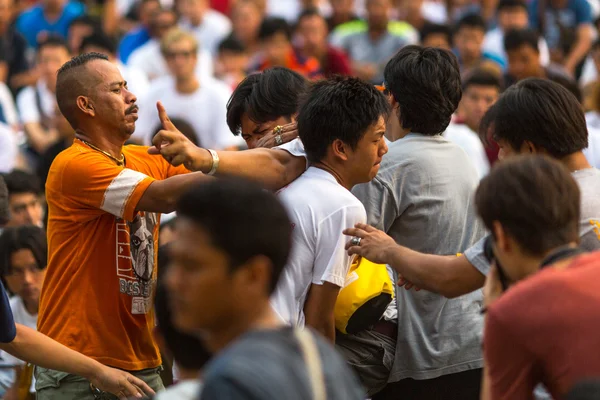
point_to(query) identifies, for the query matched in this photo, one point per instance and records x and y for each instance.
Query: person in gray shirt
(233, 241)
(422, 198)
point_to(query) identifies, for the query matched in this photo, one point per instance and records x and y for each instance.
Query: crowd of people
(300, 199)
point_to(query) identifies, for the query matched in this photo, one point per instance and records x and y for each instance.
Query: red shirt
(336, 63)
(545, 329)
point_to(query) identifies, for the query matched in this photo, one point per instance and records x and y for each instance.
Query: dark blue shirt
(8, 330)
(131, 42)
(32, 22)
(576, 13)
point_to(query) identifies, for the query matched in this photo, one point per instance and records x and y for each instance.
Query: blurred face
(181, 59)
(76, 35)
(26, 209)
(204, 294)
(342, 7)
(111, 104)
(6, 11)
(53, 5)
(378, 12)
(468, 41)
(363, 162)
(232, 62)
(313, 31)
(162, 22)
(252, 132)
(411, 7)
(193, 9)
(476, 101)
(524, 62)
(246, 18)
(25, 278)
(438, 40)
(276, 48)
(513, 18)
(147, 10)
(50, 59)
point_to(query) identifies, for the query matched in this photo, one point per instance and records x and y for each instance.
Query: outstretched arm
(272, 168)
(38, 349)
(450, 276)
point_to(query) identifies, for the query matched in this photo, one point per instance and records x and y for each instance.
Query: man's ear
(86, 105)
(340, 149)
(500, 237)
(528, 147)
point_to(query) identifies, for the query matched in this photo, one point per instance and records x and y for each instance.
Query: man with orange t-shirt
(104, 205)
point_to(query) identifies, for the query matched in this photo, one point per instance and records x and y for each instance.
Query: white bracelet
(215, 162)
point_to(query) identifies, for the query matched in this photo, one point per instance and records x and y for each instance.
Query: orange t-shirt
(101, 274)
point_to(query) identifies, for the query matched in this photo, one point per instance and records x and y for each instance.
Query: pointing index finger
(164, 118)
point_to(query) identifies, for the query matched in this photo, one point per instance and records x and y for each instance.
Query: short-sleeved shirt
(101, 274)
(319, 209)
(422, 197)
(131, 42)
(545, 330)
(589, 227)
(268, 364)
(8, 330)
(576, 13)
(32, 22)
(13, 51)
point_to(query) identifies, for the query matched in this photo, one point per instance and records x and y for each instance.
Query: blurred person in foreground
(223, 273)
(542, 294)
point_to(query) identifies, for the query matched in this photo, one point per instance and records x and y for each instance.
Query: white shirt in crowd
(184, 390)
(494, 43)
(21, 316)
(8, 105)
(137, 81)
(28, 105)
(149, 59)
(214, 28)
(592, 152)
(9, 148)
(319, 209)
(469, 141)
(205, 110)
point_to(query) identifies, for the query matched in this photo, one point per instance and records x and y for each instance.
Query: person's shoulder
(351, 28)
(401, 28)
(216, 19)
(26, 94)
(30, 14)
(216, 86)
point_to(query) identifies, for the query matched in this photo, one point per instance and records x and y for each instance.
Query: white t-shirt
(184, 390)
(22, 317)
(9, 148)
(8, 105)
(137, 81)
(319, 209)
(592, 153)
(214, 28)
(205, 110)
(468, 140)
(148, 58)
(27, 103)
(494, 43)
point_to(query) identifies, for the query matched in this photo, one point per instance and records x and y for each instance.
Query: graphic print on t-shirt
(135, 259)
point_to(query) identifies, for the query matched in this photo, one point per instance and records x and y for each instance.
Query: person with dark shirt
(80, 28)
(469, 34)
(312, 31)
(522, 49)
(66, 135)
(13, 50)
(226, 264)
(139, 36)
(542, 295)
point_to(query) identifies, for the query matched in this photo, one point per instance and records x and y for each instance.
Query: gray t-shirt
(589, 229)
(269, 365)
(423, 198)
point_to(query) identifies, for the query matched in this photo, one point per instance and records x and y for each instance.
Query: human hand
(406, 284)
(373, 245)
(120, 383)
(492, 289)
(177, 149)
(287, 133)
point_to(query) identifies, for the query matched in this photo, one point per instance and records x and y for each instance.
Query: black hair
(4, 205)
(266, 96)
(307, 13)
(232, 44)
(426, 84)
(272, 26)
(506, 4)
(540, 111)
(187, 350)
(338, 108)
(72, 81)
(101, 40)
(482, 77)
(514, 39)
(471, 21)
(568, 84)
(19, 182)
(436, 29)
(52, 40)
(87, 20)
(184, 127)
(242, 220)
(588, 389)
(16, 238)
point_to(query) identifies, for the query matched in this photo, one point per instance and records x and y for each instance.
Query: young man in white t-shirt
(23, 258)
(341, 125)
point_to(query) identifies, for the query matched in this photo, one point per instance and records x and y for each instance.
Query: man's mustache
(133, 108)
